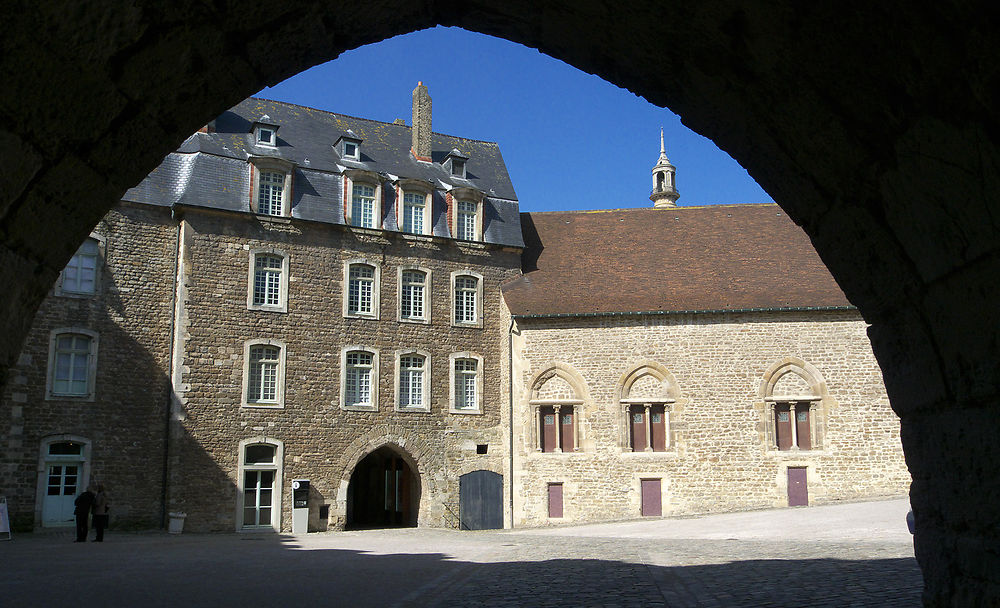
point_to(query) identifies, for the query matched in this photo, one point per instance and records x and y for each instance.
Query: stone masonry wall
(719, 457)
(322, 442)
(125, 424)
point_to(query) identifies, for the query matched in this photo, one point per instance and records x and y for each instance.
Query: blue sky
(570, 139)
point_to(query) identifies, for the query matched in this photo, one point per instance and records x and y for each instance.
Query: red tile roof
(680, 259)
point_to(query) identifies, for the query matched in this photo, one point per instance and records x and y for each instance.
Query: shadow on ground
(233, 570)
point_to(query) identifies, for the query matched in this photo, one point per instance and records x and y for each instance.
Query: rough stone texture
(719, 457)
(873, 124)
(322, 442)
(125, 423)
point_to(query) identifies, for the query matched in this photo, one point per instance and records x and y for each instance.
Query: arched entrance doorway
(384, 491)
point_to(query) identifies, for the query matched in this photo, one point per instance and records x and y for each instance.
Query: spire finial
(662, 149)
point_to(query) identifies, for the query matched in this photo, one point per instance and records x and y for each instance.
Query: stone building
(296, 295)
(721, 370)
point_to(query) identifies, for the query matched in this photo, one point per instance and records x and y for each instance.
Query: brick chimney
(421, 123)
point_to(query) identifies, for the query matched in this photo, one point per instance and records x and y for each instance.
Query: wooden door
(637, 416)
(480, 500)
(652, 505)
(658, 426)
(61, 489)
(783, 425)
(555, 500)
(798, 493)
(802, 426)
(566, 419)
(548, 415)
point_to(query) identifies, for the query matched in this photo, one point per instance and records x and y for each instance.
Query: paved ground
(857, 554)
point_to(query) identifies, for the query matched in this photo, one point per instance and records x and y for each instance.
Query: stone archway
(384, 490)
(873, 125)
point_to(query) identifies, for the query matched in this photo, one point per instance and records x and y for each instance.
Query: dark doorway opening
(384, 492)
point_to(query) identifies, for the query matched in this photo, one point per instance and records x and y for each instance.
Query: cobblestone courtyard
(857, 554)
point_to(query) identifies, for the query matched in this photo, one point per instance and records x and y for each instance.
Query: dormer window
(265, 133)
(466, 211)
(455, 163)
(265, 137)
(348, 145)
(271, 186)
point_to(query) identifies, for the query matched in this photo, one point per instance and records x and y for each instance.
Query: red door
(657, 423)
(651, 503)
(783, 425)
(798, 493)
(548, 429)
(638, 417)
(567, 430)
(802, 426)
(555, 500)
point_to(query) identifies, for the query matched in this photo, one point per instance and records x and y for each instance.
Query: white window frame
(282, 305)
(425, 388)
(259, 166)
(277, 467)
(279, 400)
(453, 380)
(356, 155)
(425, 319)
(363, 178)
(260, 130)
(61, 286)
(424, 212)
(468, 196)
(374, 380)
(376, 289)
(478, 322)
(50, 376)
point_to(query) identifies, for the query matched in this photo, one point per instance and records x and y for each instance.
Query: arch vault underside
(874, 125)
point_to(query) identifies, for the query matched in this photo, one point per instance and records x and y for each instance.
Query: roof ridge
(666, 209)
(381, 122)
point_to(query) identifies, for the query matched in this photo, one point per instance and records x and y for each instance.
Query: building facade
(299, 299)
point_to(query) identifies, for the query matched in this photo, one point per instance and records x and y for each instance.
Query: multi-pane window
(412, 293)
(363, 206)
(80, 275)
(465, 220)
(648, 427)
(262, 374)
(413, 212)
(466, 374)
(358, 379)
(71, 366)
(361, 289)
(267, 280)
(558, 428)
(411, 381)
(466, 288)
(792, 426)
(271, 193)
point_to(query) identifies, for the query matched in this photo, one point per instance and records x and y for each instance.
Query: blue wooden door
(480, 495)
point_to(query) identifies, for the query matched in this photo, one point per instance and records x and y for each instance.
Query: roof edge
(563, 315)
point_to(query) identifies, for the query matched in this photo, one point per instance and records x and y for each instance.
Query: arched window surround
(539, 406)
(669, 403)
(807, 409)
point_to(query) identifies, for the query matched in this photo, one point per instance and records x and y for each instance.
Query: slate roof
(724, 257)
(210, 169)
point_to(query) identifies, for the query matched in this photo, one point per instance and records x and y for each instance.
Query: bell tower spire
(664, 192)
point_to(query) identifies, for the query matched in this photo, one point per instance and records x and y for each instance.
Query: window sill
(71, 398)
(468, 325)
(73, 294)
(455, 410)
(264, 406)
(416, 410)
(359, 408)
(630, 453)
(274, 219)
(349, 315)
(415, 321)
(263, 308)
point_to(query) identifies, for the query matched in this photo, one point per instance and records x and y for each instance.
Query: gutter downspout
(510, 412)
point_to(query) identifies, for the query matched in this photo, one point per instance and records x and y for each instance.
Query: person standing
(100, 513)
(83, 503)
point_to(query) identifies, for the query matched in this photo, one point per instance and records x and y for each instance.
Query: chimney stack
(421, 123)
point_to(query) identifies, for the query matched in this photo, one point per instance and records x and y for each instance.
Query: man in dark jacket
(83, 503)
